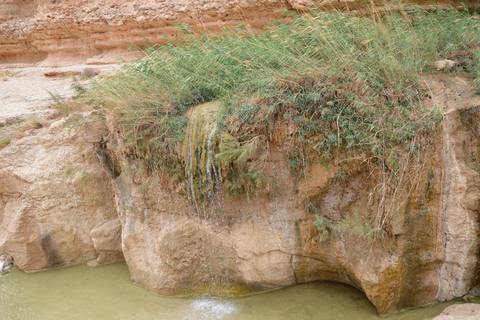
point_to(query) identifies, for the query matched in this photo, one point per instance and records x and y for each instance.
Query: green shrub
(338, 82)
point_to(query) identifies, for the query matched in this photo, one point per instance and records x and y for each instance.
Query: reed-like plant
(332, 81)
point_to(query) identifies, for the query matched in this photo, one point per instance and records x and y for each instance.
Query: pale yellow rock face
(469, 311)
(55, 200)
(264, 256)
(460, 191)
(106, 238)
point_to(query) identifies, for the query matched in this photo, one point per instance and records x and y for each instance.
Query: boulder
(106, 238)
(56, 201)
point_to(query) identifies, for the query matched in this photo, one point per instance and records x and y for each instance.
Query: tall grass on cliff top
(336, 81)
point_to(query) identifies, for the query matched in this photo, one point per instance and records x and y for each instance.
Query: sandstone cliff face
(460, 205)
(71, 31)
(59, 207)
(428, 253)
(266, 244)
(56, 203)
(74, 30)
(67, 197)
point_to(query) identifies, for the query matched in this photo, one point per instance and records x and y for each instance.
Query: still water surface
(106, 292)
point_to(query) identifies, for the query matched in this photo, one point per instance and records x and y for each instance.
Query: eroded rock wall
(56, 202)
(461, 196)
(428, 250)
(75, 30)
(72, 31)
(68, 196)
(271, 243)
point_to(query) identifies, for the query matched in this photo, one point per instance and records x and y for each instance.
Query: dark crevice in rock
(289, 6)
(51, 255)
(108, 160)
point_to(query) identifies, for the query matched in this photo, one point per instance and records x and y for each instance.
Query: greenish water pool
(106, 292)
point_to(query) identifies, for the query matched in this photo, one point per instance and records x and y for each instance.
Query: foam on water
(212, 309)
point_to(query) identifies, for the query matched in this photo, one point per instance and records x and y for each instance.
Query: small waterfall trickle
(203, 172)
(201, 168)
(189, 168)
(205, 193)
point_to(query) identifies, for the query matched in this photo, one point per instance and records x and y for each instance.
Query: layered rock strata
(72, 31)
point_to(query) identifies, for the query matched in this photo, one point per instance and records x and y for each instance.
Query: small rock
(89, 72)
(445, 64)
(61, 73)
(473, 295)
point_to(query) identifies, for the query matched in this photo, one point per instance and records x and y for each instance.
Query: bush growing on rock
(320, 84)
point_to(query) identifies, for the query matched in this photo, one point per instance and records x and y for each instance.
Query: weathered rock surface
(461, 187)
(446, 64)
(55, 201)
(107, 241)
(58, 206)
(266, 244)
(428, 252)
(25, 91)
(469, 311)
(66, 31)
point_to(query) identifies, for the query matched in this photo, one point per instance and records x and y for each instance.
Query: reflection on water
(106, 292)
